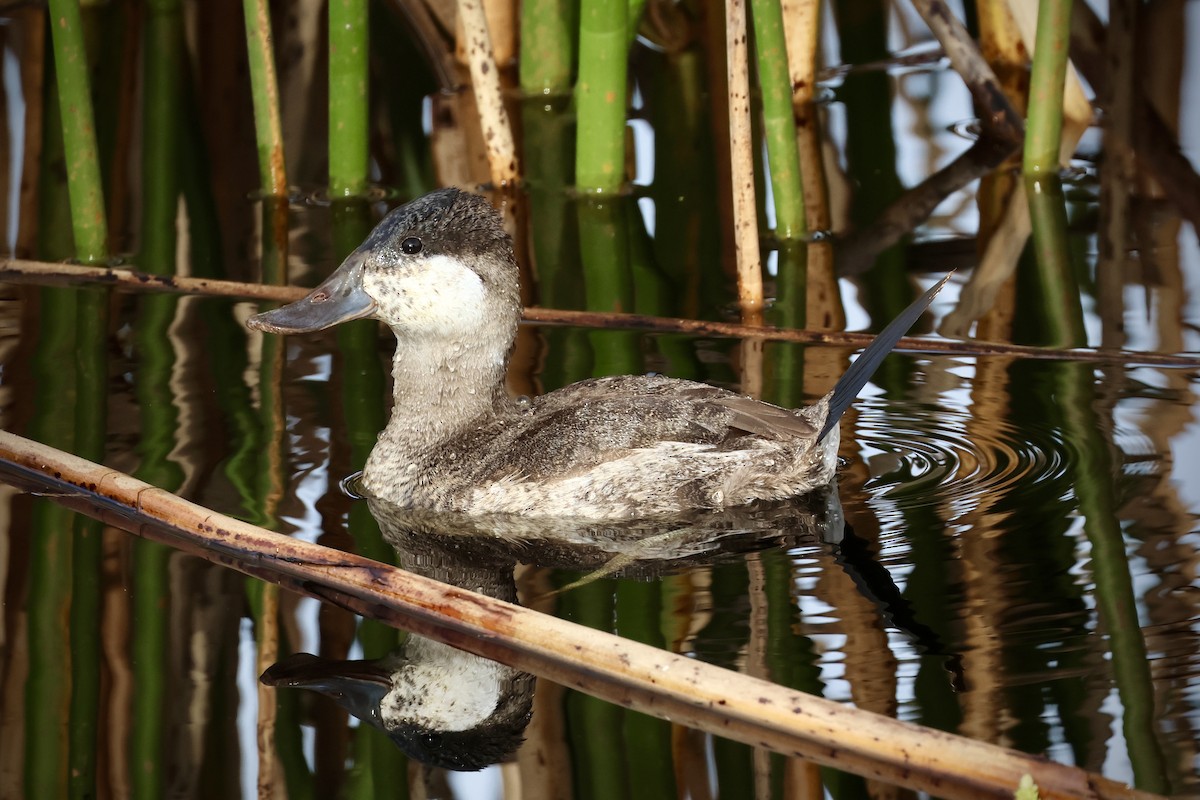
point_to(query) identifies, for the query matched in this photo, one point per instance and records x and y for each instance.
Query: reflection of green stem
(1043, 134)
(600, 95)
(151, 589)
(1115, 597)
(347, 97)
(91, 408)
(50, 560)
(79, 132)
(604, 247)
(647, 740)
(156, 361)
(593, 725)
(547, 45)
(779, 120)
(1062, 312)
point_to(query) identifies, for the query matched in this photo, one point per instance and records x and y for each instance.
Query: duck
(440, 271)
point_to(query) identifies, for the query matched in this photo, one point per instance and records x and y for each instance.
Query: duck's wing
(600, 420)
(851, 383)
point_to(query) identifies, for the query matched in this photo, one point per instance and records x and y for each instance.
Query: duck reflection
(448, 708)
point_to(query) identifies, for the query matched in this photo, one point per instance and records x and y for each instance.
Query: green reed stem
(779, 120)
(547, 45)
(264, 89)
(1043, 133)
(600, 95)
(79, 132)
(604, 250)
(162, 78)
(348, 136)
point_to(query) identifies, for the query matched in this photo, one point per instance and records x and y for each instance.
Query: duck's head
(440, 266)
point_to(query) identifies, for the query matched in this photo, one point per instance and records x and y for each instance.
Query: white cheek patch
(436, 294)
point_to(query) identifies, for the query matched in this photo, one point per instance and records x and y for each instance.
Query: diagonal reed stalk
(630, 674)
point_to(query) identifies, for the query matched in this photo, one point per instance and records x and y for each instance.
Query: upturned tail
(855, 378)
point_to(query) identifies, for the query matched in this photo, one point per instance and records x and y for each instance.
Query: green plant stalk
(600, 95)
(162, 77)
(348, 136)
(264, 89)
(790, 310)
(547, 46)
(1062, 313)
(79, 132)
(604, 250)
(778, 120)
(1043, 132)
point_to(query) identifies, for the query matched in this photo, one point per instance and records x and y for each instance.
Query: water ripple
(919, 455)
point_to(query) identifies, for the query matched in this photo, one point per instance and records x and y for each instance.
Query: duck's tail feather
(855, 378)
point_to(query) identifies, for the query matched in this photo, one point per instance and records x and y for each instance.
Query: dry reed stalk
(485, 81)
(741, 144)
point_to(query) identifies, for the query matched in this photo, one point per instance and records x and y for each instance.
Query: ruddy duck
(441, 273)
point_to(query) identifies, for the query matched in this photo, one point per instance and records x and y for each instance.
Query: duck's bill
(340, 298)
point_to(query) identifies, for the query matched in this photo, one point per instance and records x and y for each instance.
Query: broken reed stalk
(600, 94)
(779, 120)
(1043, 136)
(348, 118)
(36, 272)
(741, 158)
(630, 674)
(998, 120)
(264, 89)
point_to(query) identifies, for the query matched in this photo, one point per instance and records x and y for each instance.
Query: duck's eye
(411, 245)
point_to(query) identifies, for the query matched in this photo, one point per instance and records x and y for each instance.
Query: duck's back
(620, 447)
